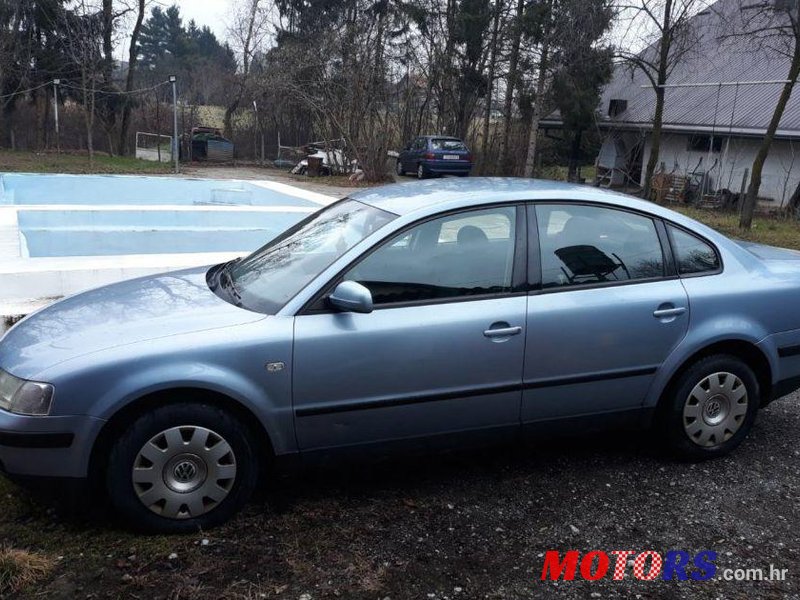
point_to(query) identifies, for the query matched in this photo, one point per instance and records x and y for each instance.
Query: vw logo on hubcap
(713, 408)
(185, 471)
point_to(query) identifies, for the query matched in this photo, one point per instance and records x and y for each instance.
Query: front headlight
(23, 397)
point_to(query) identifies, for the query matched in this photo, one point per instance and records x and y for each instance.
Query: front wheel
(181, 468)
(711, 408)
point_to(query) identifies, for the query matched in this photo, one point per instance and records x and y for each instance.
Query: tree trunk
(487, 115)
(665, 43)
(513, 76)
(538, 110)
(750, 200)
(574, 156)
(108, 112)
(655, 142)
(237, 97)
(133, 57)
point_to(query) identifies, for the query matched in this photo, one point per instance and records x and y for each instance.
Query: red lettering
(655, 565)
(557, 567)
(621, 563)
(588, 562)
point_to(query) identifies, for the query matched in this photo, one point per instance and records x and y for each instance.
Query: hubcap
(420, 172)
(184, 472)
(715, 409)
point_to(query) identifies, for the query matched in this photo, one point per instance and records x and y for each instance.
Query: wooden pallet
(669, 188)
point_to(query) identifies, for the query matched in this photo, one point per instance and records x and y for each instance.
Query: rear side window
(440, 144)
(692, 254)
(583, 245)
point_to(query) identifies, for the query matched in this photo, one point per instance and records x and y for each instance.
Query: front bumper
(47, 446)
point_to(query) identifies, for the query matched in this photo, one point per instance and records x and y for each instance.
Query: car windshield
(447, 145)
(268, 278)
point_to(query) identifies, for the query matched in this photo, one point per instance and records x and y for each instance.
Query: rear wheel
(711, 408)
(421, 173)
(399, 169)
(181, 468)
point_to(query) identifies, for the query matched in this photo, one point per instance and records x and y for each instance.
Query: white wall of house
(780, 176)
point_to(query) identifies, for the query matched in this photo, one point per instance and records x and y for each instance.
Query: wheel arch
(744, 350)
(164, 397)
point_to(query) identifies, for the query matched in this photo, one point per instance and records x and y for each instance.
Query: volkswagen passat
(442, 310)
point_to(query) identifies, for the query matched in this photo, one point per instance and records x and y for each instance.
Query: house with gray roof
(719, 100)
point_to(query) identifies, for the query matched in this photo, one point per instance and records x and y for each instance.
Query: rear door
(609, 310)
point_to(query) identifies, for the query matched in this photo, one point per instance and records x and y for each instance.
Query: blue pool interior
(129, 228)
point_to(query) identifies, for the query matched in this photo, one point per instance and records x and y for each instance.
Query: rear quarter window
(693, 254)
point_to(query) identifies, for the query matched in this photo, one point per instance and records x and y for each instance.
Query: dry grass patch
(20, 569)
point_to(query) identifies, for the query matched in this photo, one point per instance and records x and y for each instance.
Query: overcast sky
(214, 13)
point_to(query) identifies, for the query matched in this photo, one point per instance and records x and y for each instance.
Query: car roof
(420, 199)
(406, 198)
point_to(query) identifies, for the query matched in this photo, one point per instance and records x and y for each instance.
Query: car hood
(115, 315)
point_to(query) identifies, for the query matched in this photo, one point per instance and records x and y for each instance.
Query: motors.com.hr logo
(647, 565)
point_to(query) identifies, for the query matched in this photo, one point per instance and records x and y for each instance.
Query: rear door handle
(502, 331)
(662, 313)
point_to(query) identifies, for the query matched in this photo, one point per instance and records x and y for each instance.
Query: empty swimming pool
(64, 233)
(67, 215)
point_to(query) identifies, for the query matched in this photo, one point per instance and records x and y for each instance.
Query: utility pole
(255, 131)
(175, 147)
(56, 83)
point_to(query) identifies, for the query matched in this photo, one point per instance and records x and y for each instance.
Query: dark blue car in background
(435, 155)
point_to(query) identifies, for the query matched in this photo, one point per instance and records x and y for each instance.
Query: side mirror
(351, 296)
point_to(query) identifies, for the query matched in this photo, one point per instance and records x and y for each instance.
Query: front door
(442, 352)
(606, 317)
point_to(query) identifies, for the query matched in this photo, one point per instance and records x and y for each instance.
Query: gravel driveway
(471, 525)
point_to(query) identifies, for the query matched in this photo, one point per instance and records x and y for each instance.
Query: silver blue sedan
(428, 313)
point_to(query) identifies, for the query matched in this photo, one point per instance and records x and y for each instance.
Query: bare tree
(668, 21)
(248, 30)
(512, 82)
(775, 27)
(497, 19)
(83, 28)
(133, 59)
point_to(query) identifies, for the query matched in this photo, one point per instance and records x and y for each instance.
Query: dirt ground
(471, 525)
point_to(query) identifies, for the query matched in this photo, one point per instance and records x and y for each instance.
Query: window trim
(712, 245)
(670, 270)
(519, 268)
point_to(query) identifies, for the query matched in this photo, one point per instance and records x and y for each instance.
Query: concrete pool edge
(30, 283)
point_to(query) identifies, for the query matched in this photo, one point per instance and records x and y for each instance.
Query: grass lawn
(50, 162)
(44, 541)
(770, 230)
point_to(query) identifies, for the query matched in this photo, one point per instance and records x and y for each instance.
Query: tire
(207, 472)
(710, 408)
(421, 173)
(399, 169)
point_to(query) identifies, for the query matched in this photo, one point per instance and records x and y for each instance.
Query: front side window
(692, 254)
(588, 245)
(464, 254)
(272, 275)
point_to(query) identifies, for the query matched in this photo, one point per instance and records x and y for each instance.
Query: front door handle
(502, 332)
(663, 313)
